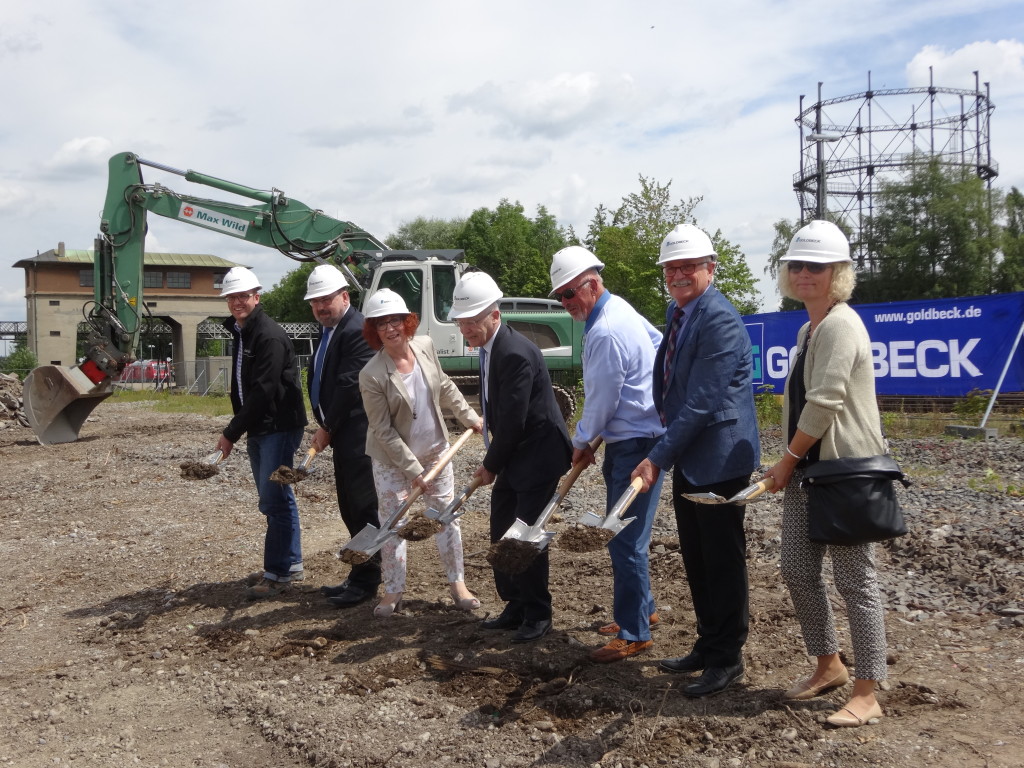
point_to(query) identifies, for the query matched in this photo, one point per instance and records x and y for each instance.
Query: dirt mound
(12, 406)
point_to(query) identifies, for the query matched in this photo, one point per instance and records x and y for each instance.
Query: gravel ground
(125, 638)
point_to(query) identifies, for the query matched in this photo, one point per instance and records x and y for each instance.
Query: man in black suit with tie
(528, 447)
(333, 384)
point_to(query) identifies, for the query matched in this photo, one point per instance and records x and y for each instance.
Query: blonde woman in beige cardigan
(829, 411)
(404, 390)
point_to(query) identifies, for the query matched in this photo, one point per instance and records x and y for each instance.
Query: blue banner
(943, 347)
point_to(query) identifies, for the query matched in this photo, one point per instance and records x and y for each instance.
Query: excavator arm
(59, 399)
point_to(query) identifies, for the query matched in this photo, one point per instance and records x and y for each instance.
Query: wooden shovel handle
(429, 476)
(576, 471)
(627, 498)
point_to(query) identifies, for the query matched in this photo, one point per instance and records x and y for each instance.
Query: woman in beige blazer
(403, 390)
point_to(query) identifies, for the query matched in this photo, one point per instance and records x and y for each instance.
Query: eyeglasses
(687, 269)
(570, 293)
(812, 266)
(389, 322)
(236, 298)
(324, 299)
(469, 322)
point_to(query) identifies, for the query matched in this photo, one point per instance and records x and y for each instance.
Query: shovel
(452, 511)
(369, 540)
(613, 520)
(747, 495)
(285, 475)
(535, 534)
(753, 492)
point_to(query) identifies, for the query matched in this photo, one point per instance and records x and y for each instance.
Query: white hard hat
(821, 242)
(569, 263)
(686, 242)
(474, 293)
(324, 280)
(383, 303)
(239, 280)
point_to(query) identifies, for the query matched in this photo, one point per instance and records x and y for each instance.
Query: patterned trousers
(392, 491)
(856, 579)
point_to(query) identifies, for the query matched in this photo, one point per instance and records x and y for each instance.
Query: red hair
(409, 325)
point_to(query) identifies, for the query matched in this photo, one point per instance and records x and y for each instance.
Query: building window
(54, 302)
(179, 279)
(151, 304)
(85, 278)
(153, 279)
(55, 362)
(55, 333)
(218, 280)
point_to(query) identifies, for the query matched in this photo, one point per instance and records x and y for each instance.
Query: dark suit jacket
(708, 404)
(529, 441)
(340, 400)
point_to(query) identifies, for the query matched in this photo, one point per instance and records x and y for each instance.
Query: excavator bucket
(58, 400)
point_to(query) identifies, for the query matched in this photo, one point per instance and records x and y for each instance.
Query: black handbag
(853, 501)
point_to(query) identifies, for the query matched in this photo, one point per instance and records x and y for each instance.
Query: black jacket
(340, 401)
(529, 441)
(271, 394)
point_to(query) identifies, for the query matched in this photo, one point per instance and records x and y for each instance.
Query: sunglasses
(570, 293)
(812, 266)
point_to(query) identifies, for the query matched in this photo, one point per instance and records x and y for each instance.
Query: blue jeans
(633, 599)
(282, 547)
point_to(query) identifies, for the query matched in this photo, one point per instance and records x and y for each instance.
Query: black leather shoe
(352, 596)
(532, 630)
(714, 680)
(692, 662)
(335, 590)
(503, 620)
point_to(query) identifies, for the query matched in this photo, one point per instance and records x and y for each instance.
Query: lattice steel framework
(851, 143)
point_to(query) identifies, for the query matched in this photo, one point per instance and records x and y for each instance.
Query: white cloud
(79, 157)
(1000, 62)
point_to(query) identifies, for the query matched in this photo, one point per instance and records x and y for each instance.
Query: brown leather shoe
(618, 649)
(613, 629)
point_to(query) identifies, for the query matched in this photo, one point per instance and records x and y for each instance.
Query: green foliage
(426, 234)
(512, 248)
(20, 361)
(1010, 272)
(932, 237)
(284, 301)
(733, 277)
(784, 231)
(973, 404)
(768, 406)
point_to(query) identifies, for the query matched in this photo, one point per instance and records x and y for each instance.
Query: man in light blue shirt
(619, 346)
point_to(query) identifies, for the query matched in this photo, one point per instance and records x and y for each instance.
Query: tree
(733, 277)
(284, 301)
(932, 236)
(1010, 272)
(20, 361)
(784, 231)
(427, 234)
(513, 249)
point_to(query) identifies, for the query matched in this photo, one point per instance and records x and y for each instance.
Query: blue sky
(381, 112)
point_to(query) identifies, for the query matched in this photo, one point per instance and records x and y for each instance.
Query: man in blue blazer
(528, 446)
(702, 387)
(333, 385)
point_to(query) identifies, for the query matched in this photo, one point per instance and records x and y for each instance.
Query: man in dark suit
(528, 447)
(333, 385)
(702, 387)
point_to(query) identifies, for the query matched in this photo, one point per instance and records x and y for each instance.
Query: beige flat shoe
(847, 718)
(805, 690)
(388, 606)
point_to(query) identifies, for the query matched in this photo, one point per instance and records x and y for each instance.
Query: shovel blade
(592, 519)
(368, 540)
(519, 530)
(615, 524)
(705, 498)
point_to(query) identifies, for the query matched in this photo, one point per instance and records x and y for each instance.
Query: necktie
(670, 349)
(483, 394)
(318, 366)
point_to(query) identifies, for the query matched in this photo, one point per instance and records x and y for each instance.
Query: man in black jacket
(528, 446)
(333, 384)
(266, 398)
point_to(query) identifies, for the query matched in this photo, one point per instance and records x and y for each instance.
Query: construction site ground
(126, 639)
